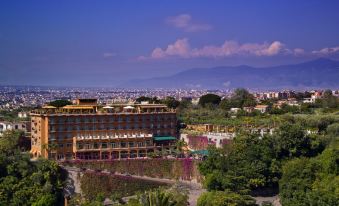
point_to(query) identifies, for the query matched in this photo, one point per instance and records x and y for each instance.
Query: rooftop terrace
(82, 108)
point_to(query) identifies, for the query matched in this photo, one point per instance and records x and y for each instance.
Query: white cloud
(109, 55)
(298, 51)
(184, 21)
(181, 48)
(326, 51)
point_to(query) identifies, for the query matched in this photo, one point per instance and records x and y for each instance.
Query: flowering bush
(94, 184)
(198, 142)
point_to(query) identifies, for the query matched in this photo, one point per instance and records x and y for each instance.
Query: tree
(225, 198)
(311, 181)
(209, 99)
(171, 102)
(60, 103)
(24, 182)
(333, 130)
(292, 141)
(240, 98)
(160, 197)
(153, 100)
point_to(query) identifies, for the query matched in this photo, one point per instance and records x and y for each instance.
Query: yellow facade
(95, 132)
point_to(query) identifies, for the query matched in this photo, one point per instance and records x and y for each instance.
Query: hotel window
(123, 144)
(102, 126)
(87, 146)
(69, 135)
(52, 137)
(69, 155)
(114, 145)
(111, 126)
(140, 144)
(69, 128)
(104, 145)
(131, 144)
(60, 137)
(148, 143)
(68, 145)
(52, 128)
(96, 145)
(61, 145)
(60, 156)
(143, 118)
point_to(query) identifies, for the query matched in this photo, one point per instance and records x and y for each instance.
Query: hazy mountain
(319, 73)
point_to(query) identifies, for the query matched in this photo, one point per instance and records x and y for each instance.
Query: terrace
(101, 109)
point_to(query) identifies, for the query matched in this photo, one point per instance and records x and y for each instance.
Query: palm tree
(49, 147)
(180, 144)
(156, 198)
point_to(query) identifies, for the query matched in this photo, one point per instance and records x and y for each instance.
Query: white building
(5, 126)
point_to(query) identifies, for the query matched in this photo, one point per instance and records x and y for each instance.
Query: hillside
(319, 73)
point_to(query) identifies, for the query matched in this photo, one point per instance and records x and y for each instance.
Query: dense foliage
(225, 198)
(311, 181)
(11, 115)
(26, 182)
(240, 98)
(161, 197)
(147, 99)
(209, 99)
(291, 160)
(251, 162)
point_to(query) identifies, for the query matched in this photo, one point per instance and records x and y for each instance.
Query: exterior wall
(4, 126)
(64, 133)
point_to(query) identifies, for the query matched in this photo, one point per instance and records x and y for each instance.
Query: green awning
(164, 138)
(200, 152)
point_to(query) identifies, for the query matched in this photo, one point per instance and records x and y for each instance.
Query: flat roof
(48, 107)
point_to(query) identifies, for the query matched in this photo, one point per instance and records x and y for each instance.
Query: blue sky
(104, 43)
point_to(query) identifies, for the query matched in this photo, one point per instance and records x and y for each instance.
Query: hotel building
(86, 130)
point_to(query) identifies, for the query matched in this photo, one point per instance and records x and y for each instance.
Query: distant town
(15, 97)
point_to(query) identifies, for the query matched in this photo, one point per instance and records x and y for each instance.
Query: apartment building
(86, 130)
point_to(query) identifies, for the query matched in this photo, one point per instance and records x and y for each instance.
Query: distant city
(15, 97)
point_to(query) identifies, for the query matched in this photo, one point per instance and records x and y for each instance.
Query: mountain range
(319, 73)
